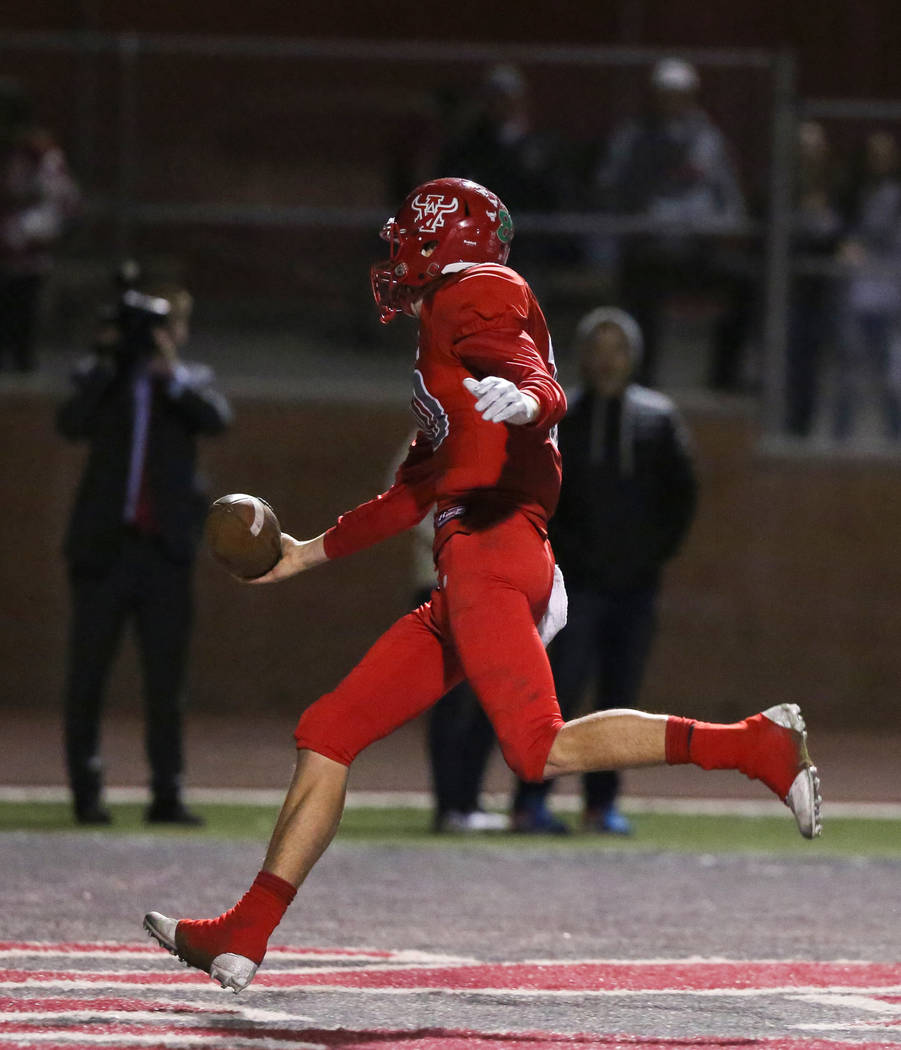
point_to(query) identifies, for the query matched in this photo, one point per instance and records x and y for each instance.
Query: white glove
(500, 401)
(554, 618)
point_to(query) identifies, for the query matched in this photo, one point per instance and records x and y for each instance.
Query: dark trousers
(146, 587)
(460, 741)
(867, 338)
(810, 322)
(19, 305)
(607, 637)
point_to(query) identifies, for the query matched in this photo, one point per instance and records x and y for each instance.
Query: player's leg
(406, 670)
(770, 746)
(401, 676)
(496, 584)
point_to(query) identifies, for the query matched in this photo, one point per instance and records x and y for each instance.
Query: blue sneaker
(609, 821)
(537, 820)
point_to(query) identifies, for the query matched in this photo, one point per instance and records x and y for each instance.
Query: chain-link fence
(259, 171)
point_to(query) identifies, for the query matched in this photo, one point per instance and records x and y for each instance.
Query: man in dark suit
(133, 534)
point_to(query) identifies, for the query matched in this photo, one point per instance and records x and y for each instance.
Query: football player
(487, 401)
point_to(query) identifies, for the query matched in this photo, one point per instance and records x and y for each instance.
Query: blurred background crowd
(752, 233)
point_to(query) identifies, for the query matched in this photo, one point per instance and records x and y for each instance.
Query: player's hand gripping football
(297, 556)
(500, 401)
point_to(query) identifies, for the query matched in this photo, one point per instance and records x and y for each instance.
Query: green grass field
(410, 827)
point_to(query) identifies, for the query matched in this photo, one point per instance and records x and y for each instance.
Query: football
(243, 534)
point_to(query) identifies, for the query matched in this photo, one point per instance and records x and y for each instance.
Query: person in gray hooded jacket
(628, 498)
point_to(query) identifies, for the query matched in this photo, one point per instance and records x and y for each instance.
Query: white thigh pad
(554, 618)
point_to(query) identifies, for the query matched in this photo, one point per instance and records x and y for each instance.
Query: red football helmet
(444, 225)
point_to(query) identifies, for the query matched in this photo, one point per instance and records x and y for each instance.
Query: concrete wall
(787, 588)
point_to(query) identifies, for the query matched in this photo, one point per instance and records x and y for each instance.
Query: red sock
(755, 746)
(242, 930)
(678, 740)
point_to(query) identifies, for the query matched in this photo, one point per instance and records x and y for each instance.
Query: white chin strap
(458, 266)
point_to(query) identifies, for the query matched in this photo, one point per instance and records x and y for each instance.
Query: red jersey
(482, 321)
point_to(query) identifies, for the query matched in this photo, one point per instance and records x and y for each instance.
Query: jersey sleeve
(404, 505)
(488, 318)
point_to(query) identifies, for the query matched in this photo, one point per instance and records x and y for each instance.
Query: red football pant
(479, 625)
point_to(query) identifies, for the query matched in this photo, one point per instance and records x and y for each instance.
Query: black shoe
(538, 820)
(168, 812)
(92, 813)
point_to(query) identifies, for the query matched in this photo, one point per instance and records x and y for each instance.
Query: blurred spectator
(460, 736)
(672, 166)
(871, 298)
(133, 533)
(628, 497)
(498, 147)
(817, 227)
(37, 197)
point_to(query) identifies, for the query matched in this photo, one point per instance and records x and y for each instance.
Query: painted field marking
(285, 953)
(113, 1034)
(600, 978)
(428, 1039)
(61, 1009)
(565, 802)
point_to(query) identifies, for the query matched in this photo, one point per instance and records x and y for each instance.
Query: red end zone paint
(558, 976)
(538, 976)
(66, 1005)
(422, 1039)
(70, 1019)
(606, 976)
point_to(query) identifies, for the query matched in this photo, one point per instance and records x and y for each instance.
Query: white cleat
(803, 797)
(162, 929)
(229, 970)
(233, 971)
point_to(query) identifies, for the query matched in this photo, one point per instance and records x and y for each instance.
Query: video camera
(138, 316)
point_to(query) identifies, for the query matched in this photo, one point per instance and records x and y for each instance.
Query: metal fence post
(128, 48)
(777, 268)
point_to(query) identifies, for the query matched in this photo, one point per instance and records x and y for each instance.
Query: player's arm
(297, 556)
(511, 381)
(404, 505)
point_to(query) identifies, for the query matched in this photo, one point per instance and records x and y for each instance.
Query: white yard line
(721, 807)
(792, 991)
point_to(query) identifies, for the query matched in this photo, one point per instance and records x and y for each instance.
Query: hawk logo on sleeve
(429, 412)
(431, 209)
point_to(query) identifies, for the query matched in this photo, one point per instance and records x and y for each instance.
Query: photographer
(133, 533)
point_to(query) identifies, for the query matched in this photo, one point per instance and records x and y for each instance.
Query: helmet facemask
(399, 280)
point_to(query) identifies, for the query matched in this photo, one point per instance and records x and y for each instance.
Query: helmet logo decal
(505, 229)
(430, 210)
